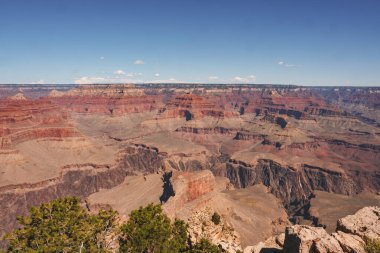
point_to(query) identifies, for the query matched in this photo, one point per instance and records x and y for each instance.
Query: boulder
(349, 243)
(305, 239)
(273, 244)
(352, 231)
(364, 223)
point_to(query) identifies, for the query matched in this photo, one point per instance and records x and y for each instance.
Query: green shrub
(150, 230)
(61, 225)
(372, 246)
(215, 218)
(205, 246)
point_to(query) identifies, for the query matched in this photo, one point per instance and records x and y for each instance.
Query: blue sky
(324, 42)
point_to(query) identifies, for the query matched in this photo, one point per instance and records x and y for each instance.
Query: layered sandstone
(24, 120)
(191, 106)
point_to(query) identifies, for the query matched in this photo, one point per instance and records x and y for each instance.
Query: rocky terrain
(351, 235)
(260, 155)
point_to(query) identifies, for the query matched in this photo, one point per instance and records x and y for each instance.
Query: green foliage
(215, 218)
(205, 246)
(61, 225)
(372, 246)
(150, 230)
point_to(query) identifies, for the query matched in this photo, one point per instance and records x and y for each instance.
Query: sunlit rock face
(352, 231)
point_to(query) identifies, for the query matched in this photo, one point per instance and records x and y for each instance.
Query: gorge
(241, 150)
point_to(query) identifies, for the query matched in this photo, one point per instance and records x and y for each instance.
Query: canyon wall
(293, 186)
(74, 180)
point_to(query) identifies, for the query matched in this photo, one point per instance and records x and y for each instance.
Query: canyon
(263, 156)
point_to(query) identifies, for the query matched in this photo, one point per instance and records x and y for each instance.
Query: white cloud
(39, 82)
(248, 79)
(287, 65)
(119, 72)
(97, 79)
(89, 80)
(131, 74)
(170, 80)
(157, 74)
(213, 78)
(139, 62)
(134, 74)
(102, 58)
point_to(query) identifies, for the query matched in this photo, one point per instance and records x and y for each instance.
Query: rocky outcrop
(309, 239)
(349, 242)
(352, 232)
(188, 187)
(189, 162)
(273, 244)
(305, 239)
(192, 201)
(223, 234)
(364, 223)
(140, 159)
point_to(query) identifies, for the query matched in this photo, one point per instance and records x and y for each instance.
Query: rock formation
(223, 234)
(365, 223)
(352, 232)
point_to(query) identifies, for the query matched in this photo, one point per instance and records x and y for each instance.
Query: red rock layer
(24, 120)
(299, 104)
(191, 106)
(189, 186)
(110, 105)
(30, 111)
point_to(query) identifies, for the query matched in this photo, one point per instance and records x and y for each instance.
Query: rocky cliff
(293, 186)
(140, 159)
(24, 120)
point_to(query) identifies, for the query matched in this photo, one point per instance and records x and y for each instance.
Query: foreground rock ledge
(351, 232)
